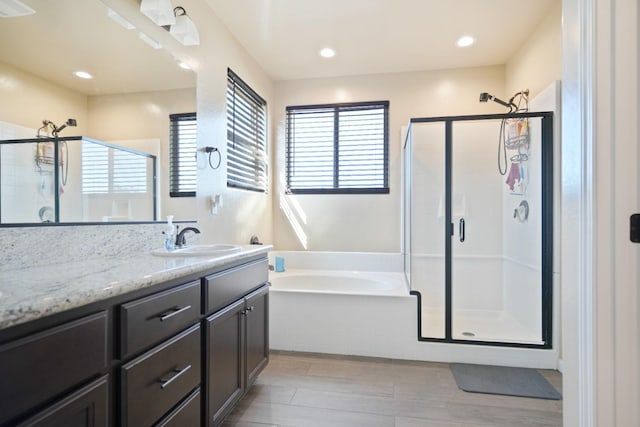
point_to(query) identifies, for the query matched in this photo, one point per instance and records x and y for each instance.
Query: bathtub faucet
(180, 239)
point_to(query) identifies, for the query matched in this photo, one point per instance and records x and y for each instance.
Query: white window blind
(108, 170)
(338, 148)
(129, 172)
(95, 169)
(246, 136)
(183, 170)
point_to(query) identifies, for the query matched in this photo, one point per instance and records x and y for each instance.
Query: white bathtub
(359, 304)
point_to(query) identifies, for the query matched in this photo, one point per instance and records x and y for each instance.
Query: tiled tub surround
(47, 270)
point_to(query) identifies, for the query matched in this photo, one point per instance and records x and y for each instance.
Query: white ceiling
(284, 37)
(64, 36)
(377, 36)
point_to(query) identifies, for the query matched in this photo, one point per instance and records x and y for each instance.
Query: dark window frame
(250, 174)
(337, 107)
(175, 164)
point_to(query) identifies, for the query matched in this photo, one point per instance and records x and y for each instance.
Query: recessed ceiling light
(83, 75)
(327, 52)
(465, 41)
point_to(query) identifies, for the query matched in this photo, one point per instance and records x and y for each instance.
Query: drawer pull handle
(178, 372)
(173, 312)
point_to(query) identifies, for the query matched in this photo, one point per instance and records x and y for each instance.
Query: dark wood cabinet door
(224, 364)
(44, 366)
(88, 407)
(257, 333)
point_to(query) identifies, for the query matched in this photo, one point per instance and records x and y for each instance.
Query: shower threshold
(479, 325)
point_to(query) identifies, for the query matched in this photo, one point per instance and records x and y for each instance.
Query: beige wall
(243, 213)
(27, 100)
(539, 61)
(349, 223)
(145, 116)
(368, 223)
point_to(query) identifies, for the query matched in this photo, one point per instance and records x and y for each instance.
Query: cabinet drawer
(186, 414)
(42, 366)
(156, 381)
(227, 286)
(151, 319)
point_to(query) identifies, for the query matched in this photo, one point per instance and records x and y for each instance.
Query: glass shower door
(478, 235)
(496, 233)
(425, 199)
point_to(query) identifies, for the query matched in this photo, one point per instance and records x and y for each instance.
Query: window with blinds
(183, 170)
(106, 170)
(338, 148)
(246, 136)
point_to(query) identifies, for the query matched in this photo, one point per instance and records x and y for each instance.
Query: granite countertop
(30, 293)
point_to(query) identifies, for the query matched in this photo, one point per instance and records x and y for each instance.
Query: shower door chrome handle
(461, 229)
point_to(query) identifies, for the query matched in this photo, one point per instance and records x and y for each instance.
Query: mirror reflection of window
(183, 171)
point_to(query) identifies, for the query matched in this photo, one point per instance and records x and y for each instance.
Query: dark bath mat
(504, 380)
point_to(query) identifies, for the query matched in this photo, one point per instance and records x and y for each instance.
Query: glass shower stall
(478, 218)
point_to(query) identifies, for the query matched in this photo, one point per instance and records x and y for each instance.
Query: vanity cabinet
(237, 351)
(180, 353)
(237, 347)
(45, 366)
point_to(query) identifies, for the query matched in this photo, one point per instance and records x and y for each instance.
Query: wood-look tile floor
(300, 390)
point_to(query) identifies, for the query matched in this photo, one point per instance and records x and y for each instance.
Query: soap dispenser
(169, 242)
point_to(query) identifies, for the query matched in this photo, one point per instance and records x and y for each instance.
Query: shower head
(69, 122)
(484, 97)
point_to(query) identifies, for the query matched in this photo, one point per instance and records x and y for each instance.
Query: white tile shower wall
(13, 131)
(27, 246)
(19, 172)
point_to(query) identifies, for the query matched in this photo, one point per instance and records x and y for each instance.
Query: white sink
(215, 250)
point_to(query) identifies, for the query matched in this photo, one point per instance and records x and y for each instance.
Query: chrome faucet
(180, 239)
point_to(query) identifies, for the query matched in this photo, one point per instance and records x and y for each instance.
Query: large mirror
(136, 86)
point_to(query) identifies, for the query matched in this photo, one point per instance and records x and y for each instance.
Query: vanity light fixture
(184, 30)
(327, 52)
(159, 11)
(83, 75)
(465, 41)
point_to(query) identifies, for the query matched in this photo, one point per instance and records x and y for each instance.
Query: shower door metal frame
(547, 228)
(57, 140)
